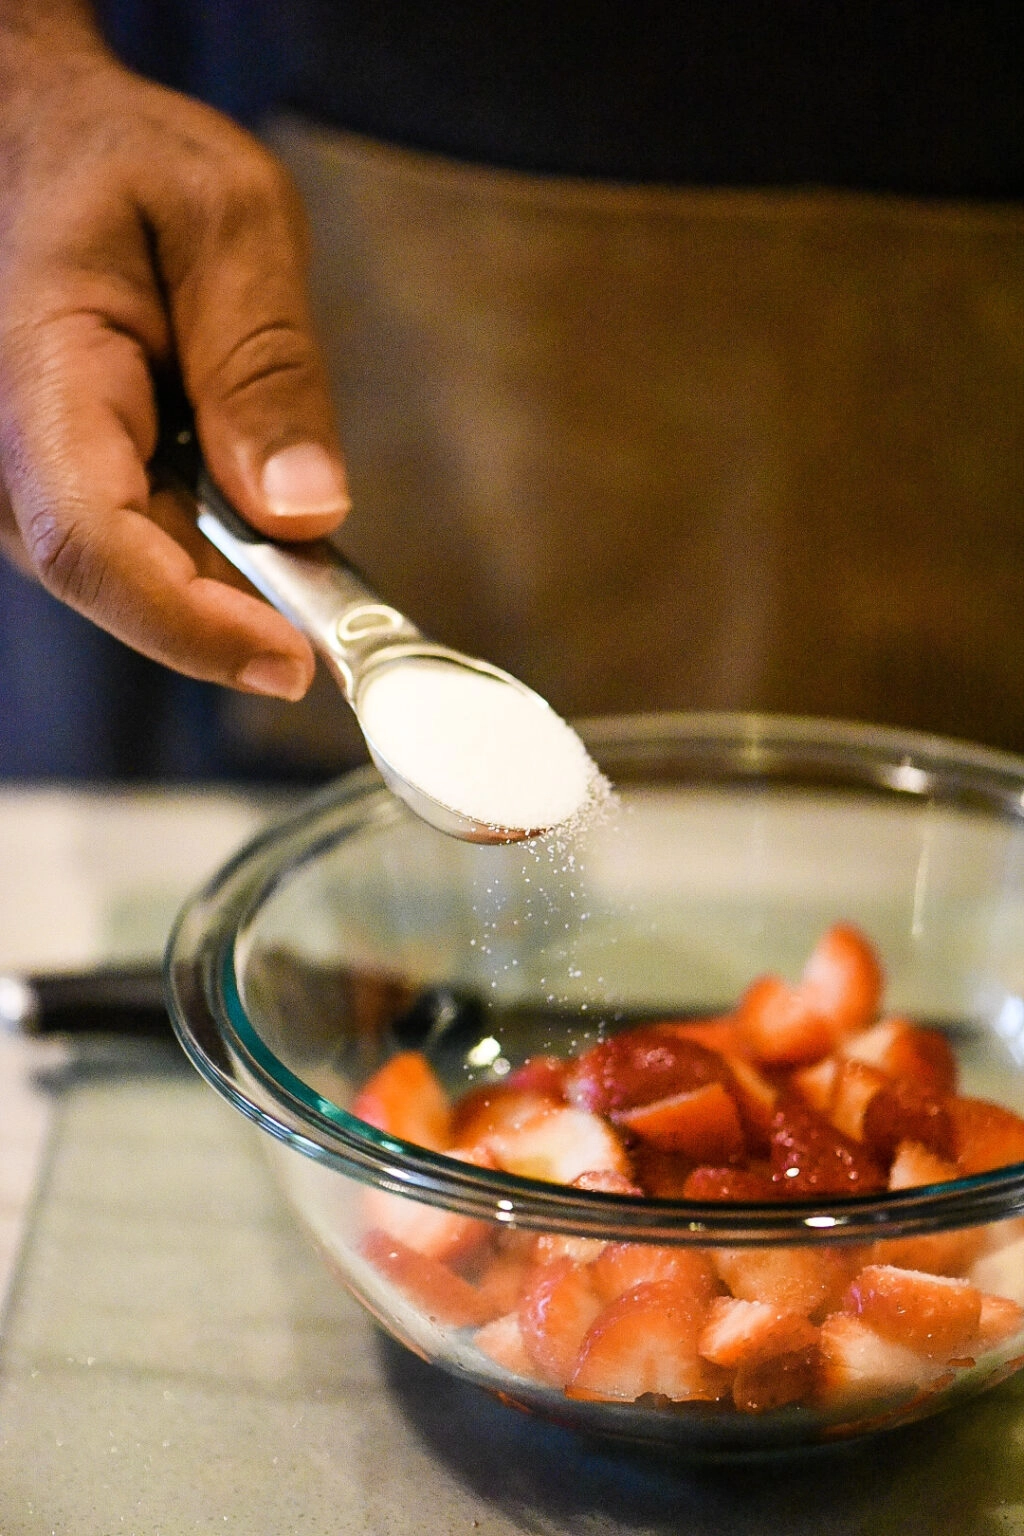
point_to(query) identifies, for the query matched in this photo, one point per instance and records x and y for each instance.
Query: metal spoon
(354, 631)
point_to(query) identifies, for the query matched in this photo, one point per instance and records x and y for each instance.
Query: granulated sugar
(494, 753)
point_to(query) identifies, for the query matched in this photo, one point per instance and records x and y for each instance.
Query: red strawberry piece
(540, 1074)
(720, 1034)
(856, 1085)
(430, 1229)
(556, 1310)
(438, 1291)
(639, 1066)
(737, 1330)
(809, 1157)
(779, 1026)
(739, 1185)
(497, 1107)
(1000, 1319)
(905, 1050)
(623, 1266)
(843, 979)
(406, 1099)
(662, 1175)
(807, 1280)
(646, 1342)
(901, 1112)
(859, 1365)
(985, 1135)
(936, 1315)
(557, 1145)
(914, 1164)
(816, 1084)
(703, 1124)
(501, 1283)
(606, 1181)
(764, 1385)
(502, 1341)
(756, 1099)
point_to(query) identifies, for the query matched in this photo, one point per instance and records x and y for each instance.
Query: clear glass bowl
(352, 932)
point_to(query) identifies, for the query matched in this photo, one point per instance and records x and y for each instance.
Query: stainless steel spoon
(354, 631)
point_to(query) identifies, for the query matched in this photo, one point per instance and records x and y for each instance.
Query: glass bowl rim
(204, 1000)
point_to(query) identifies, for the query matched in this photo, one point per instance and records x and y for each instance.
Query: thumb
(236, 273)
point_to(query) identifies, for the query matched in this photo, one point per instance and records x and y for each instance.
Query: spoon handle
(311, 584)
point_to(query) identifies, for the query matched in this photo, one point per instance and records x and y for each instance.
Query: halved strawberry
(623, 1266)
(719, 1034)
(985, 1135)
(646, 1341)
(703, 1124)
(901, 1112)
(858, 1364)
(540, 1074)
(436, 1290)
(497, 1107)
(557, 1145)
(1000, 1271)
(780, 1026)
(817, 1084)
(936, 1315)
(914, 1165)
(1000, 1319)
(556, 1310)
(736, 1330)
(756, 1099)
(810, 1157)
(429, 1229)
(502, 1341)
(764, 1385)
(638, 1066)
(843, 979)
(405, 1099)
(807, 1281)
(583, 1250)
(902, 1049)
(856, 1085)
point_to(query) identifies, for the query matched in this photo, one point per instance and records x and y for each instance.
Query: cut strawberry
(502, 1341)
(646, 1342)
(623, 1266)
(859, 1365)
(703, 1124)
(816, 1084)
(936, 1315)
(438, 1292)
(809, 1157)
(557, 1145)
(497, 1107)
(429, 1229)
(502, 1282)
(638, 1066)
(737, 1330)
(1000, 1271)
(540, 1074)
(739, 1185)
(781, 1027)
(914, 1165)
(764, 1385)
(843, 979)
(720, 1034)
(900, 1112)
(856, 1085)
(807, 1281)
(985, 1135)
(557, 1308)
(662, 1175)
(584, 1250)
(405, 1099)
(904, 1050)
(1000, 1319)
(756, 1099)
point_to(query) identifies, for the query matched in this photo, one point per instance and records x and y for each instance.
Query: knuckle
(61, 554)
(275, 355)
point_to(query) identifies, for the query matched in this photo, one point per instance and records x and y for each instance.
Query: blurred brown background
(658, 448)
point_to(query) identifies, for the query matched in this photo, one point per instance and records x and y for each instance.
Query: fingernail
(304, 479)
(279, 676)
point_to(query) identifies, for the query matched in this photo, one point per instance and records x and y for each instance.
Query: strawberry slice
(719, 1034)
(816, 1084)
(806, 1281)
(810, 1157)
(739, 1185)
(557, 1145)
(502, 1341)
(737, 1330)
(703, 1124)
(756, 1099)
(646, 1342)
(901, 1049)
(985, 1135)
(623, 1266)
(936, 1315)
(438, 1233)
(763, 1385)
(1000, 1319)
(843, 979)
(540, 1074)
(556, 1310)
(779, 1026)
(901, 1112)
(497, 1107)
(860, 1365)
(856, 1085)
(436, 1290)
(405, 1099)
(1000, 1271)
(638, 1066)
(501, 1282)
(915, 1164)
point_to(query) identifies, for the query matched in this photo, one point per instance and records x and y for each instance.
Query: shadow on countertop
(961, 1474)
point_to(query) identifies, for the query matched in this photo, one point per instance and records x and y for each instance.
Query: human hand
(139, 229)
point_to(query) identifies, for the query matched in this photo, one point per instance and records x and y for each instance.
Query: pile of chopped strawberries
(805, 1091)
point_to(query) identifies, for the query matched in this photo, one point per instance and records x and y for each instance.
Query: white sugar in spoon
(469, 748)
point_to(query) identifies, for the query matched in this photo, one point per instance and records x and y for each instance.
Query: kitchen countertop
(175, 1358)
